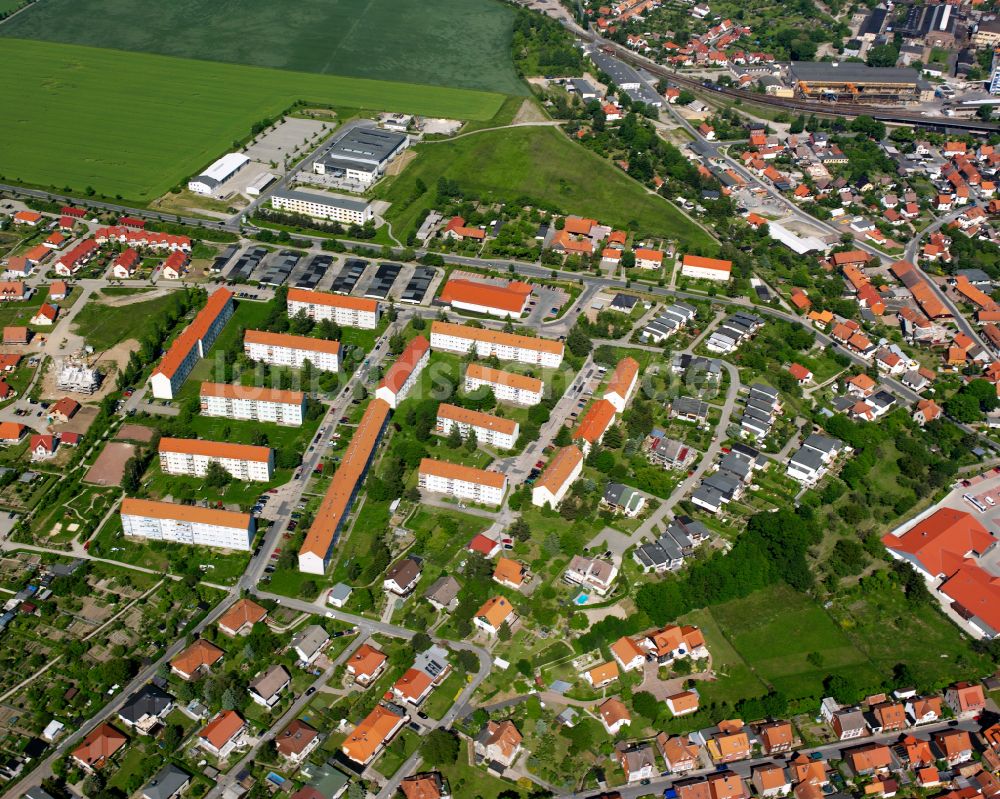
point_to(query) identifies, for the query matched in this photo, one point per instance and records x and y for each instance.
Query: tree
(132, 475)
(882, 55)
(397, 343)
(645, 704)
(420, 642)
(578, 342)
(454, 437)
(686, 97)
(504, 632)
(963, 407)
(439, 748)
(216, 476)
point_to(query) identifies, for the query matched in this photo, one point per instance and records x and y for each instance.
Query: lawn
(104, 326)
(73, 127)
(401, 40)
(776, 630)
(538, 166)
(466, 780)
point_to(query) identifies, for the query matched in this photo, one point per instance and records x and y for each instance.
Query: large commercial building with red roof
(283, 349)
(487, 298)
(192, 344)
(494, 343)
(330, 516)
(186, 524)
(191, 457)
(937, 544)
(403, 374)
(344, 310)
(253, 404)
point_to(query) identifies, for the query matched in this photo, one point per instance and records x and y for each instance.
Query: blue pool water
(581, 599)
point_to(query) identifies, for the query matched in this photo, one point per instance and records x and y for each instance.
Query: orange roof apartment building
(189, 456)
(402, 375)
(494, 343)
(330, 516)
(283, 349)
(623, 383)
(463, 482)
(253, 404)
(560, 473)
(494, 431)
(507, 301)
(593, 425)
(186, 524)
(192, 344)
(345, 311)
(506, 386)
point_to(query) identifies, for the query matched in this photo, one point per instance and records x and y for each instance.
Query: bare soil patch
(110, 464)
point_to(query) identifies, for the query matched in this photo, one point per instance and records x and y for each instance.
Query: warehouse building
(494, 343)
(325, 530)
(191, 457)
(186, 524)
(254, 404)
(487, 428)
(323, 206)
(487, 298)
(361, 155)
(506, 386)
(191, 345)
(857, 83)
(284, 349)
(218, 173)
(345, 311)
(462, 482)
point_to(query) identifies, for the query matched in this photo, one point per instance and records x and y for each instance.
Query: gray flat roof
(327, 199)
(850, 71)
(367, 145)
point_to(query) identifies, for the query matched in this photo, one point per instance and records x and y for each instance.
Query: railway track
(831, 109)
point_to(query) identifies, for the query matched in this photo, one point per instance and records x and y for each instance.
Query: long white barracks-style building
(250, 403)
(506, 386)
(190, 456)
(346, 311)
(494, 343)
(488, 429)
(284, 349)
(324, 206)
(186, 524)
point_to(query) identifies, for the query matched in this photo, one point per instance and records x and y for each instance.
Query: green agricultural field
(74, 120)
(538, 165)
(414, 41)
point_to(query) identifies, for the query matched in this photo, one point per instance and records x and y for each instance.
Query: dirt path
(132, 299)
(529, 112)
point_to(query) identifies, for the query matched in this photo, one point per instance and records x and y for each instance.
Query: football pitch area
(438, 42)
(135, 125)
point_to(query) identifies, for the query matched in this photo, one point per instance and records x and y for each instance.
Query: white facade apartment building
(494, 343)
(402, 376)
(488, 429)
(346, 311)
(560, 473)
(283, 349)
(191, 345)
(186, 524)
(191, 457)
(249, 403)
(507, 386)
(324, 206)
(463, 482)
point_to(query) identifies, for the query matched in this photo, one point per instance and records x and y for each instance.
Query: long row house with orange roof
(188, 456)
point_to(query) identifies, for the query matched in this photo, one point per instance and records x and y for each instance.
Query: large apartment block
(192, 344)
(186, 524)
(488, 429)
(324, 206)
(249, 403)
(403, 374)
(494, 343)
(346, 311)
(283, 349)
(325, 530)
(191, 457)
(507, 386)
(560, 473)
(463, 482)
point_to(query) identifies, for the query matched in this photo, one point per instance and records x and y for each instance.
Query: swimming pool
(581, 598)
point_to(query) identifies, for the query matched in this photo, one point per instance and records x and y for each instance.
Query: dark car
(310, 690)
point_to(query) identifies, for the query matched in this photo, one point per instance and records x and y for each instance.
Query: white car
(990, 501)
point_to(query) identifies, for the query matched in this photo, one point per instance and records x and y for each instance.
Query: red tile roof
(942, 540)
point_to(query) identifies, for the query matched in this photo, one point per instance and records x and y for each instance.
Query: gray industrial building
(626, 79)
(361, 154)
(855, 82)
